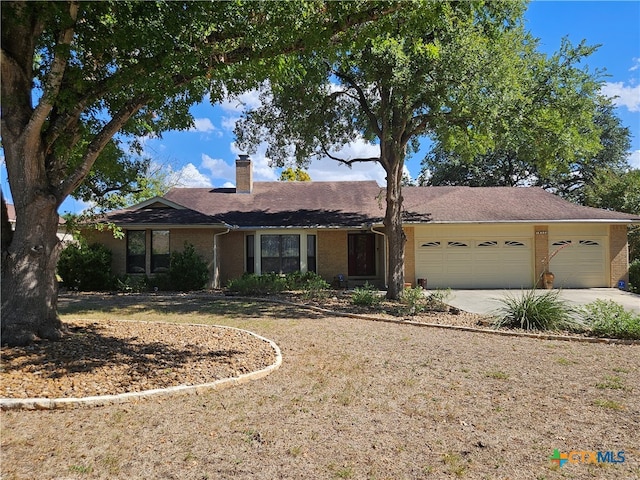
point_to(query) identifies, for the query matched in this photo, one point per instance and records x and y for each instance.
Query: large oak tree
(79, 77)
(458, 72)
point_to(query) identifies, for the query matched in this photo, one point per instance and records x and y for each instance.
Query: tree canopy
(82, 82)
(504, 166)
(466, 74)
(294, 175)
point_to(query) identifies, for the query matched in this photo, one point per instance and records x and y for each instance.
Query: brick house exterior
(461, 237)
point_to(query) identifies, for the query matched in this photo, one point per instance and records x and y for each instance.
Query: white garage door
(579, 263)
(475, 263)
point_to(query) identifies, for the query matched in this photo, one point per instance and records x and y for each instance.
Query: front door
(362, 255)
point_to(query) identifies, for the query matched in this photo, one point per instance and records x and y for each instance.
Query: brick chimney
(244, 174)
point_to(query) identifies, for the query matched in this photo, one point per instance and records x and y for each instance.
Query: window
(160, 253)
(311, 253)
(136, 251)
(589, 243)
(431, 244)
(251, 256)
(488, 243)
(280, 253)
(456, 244)
(561, 243)
(362, 254)
(513, 243)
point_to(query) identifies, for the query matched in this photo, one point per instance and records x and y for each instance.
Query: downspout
(385, 264)
(216, 260)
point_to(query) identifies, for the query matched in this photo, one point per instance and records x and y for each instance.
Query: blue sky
(204, 156)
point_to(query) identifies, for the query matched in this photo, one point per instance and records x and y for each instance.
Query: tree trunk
(393, 224)
(29, 285)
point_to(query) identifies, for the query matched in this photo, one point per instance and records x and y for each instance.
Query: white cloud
(203, 125)
(636, 64)
(623, 95)
(190, 176)
(634, 159)
(229, 123)
(239, 103)
(218, 168)
(326, 169)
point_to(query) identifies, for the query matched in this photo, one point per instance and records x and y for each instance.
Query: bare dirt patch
(353, 399)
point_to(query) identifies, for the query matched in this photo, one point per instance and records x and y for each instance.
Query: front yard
(353, 399)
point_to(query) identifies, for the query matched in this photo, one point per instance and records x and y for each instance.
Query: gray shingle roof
(162, 216)
(277, 204)
(354, 204)
(501, 204)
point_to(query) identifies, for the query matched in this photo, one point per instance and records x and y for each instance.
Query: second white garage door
(579, 262)
(475, 263)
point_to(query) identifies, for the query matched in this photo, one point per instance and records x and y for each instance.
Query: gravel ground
(114, 357)
(353, 399)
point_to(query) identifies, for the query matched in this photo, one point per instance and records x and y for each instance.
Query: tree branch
(350, 162)
(54, 77)
(98, 143)
(362, 100)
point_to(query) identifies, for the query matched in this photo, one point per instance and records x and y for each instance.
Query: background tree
(507, 167)
(294, 175)
(456, 71)
(77, 77)
(613, 190)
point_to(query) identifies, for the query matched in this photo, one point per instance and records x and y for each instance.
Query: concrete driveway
(487, 301)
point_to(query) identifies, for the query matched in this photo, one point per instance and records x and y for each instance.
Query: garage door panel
(475, 263)
(580, 262)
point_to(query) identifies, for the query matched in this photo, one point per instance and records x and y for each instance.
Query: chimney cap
(243, 157)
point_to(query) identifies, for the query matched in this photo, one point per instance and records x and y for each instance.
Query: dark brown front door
(362, 255)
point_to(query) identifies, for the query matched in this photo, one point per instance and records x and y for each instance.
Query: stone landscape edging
(102, 400)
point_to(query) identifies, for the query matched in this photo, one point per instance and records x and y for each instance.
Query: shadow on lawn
(222, 306)
(89, 348)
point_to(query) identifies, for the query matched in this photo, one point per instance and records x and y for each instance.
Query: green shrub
(254, 284)
(187, 270)
(86, 267)
(366, 296)
(607, 318)
(132, 283)
(312, 284)
(537, 310)
(414, 300)
(436, 301)
(634, 276)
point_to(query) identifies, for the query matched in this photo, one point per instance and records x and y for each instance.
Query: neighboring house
(459, 237)
(62, 231)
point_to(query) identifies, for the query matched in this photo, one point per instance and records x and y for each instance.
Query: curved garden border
(539, 336)
(102, 400)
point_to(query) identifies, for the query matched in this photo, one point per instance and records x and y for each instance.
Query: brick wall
(618, 254)
(332, 253)
(118, 247)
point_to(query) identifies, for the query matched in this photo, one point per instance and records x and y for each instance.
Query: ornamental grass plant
(537, 310)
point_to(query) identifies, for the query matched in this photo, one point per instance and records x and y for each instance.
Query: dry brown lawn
(353, 399)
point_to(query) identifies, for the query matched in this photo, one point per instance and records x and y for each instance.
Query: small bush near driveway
(606, 318)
